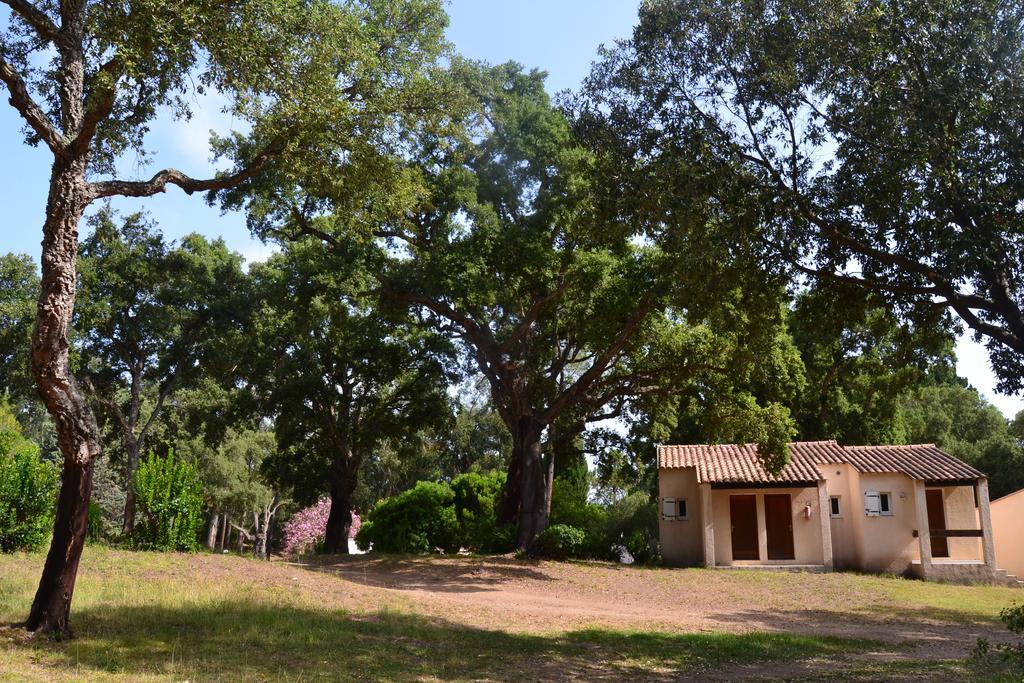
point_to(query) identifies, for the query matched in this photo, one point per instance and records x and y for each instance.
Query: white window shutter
(872, 505)
(668, 508)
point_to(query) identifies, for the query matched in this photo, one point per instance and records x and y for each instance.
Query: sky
(558, 36)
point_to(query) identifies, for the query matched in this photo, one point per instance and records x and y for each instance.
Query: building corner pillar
(985, 513)
(924, 536)
(825, 513)
(708, 522)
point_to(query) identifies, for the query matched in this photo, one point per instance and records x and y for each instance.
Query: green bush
(418, 520)
(27, 489)
(95, 522)
(169, 504)
(476, 500)
(1003, 661)
(561, 541)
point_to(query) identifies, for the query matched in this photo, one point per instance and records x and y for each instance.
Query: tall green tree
(339, 374)
(562, 303)
(154, 318)
(882, 138)
(89, 77)
(861, 362)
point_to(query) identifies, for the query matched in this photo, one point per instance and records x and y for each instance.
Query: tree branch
(33, 114)
(170, 176)
(99, 103)
(37, 19)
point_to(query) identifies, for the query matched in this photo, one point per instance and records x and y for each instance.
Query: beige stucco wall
(807, 548)
(682, 542)
(842, 480)
(888, 544)
(1008, 532)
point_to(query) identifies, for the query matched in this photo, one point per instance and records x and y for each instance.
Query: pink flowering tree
(308, 527)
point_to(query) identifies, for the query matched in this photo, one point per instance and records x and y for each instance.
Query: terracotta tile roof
(739, 462)
(919, 461)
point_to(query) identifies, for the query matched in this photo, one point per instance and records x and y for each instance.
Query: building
(904, 509)
(1008, 531)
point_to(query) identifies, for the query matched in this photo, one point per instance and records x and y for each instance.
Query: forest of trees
(508, 296)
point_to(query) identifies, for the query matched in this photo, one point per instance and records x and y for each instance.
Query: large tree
(340, 375)
(562, 301)
(153, 318)
(885, 136)
(89, 77)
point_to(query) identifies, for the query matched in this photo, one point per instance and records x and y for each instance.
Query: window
(674, 508)
(877, 504)
(885, 504)
(833, 507)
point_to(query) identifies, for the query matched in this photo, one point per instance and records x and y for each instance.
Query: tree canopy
(879, 139)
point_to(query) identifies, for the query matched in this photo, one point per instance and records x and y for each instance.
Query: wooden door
(743, 517)
(778, 523)
(937, 521)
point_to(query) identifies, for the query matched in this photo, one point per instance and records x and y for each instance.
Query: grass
(148, 616)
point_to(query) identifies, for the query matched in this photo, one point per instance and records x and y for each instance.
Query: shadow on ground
(239, 640)
(425, 573)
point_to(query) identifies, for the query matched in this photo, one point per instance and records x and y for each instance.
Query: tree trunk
(131, 466)
(226, 529)
(78, 435)
(535, 483)
(211, 534)
(339, 521)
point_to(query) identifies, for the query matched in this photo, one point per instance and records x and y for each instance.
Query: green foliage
(561, 541)
(476, 500)
(957, 419)
(170, 502)
(420, 520)
(633, 522)
(95, 531)
(27, 488)
(344, 375)
(806, 109)
(19, 290)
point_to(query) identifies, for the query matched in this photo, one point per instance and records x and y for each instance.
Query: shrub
(95, 529)
(561, 541)
(418, 520)
(169, 503)
(306, 529)
(476, 497)
(27, 488)
(1002, 662)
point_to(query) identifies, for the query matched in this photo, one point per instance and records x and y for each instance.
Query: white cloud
(972, 362)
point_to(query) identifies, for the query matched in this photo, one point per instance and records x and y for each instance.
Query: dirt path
(505, 594)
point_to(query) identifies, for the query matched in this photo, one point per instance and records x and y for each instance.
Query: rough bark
(526, 497)
(77, 432)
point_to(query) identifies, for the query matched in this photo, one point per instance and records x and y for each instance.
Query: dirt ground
(516, 596)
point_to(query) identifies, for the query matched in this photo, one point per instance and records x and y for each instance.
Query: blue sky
(558, 36)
